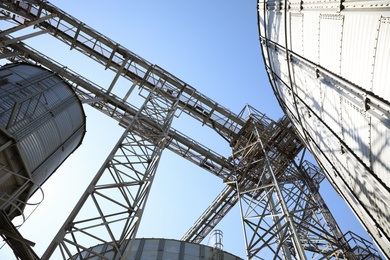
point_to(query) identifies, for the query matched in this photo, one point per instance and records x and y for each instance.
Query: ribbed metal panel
(281, 67)
(369, 195)
(311, 45)
(356, 130)
(331, 109)
(383, 208)
(381, 74)
(380, 149)
(276, 29)
(50, 124)
(331, 29)
(43, 118)
(296, 31)
(299, 79)
(357, 65)
(163, 249)
(342, 97)
(58, 156)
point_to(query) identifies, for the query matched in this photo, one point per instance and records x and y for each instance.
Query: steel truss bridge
(281, 207)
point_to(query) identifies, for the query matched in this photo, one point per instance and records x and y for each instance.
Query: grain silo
(160, 249)
(328, 64)
(41, 123)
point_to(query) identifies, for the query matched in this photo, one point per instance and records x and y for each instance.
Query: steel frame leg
(111, 208)
(283, 216)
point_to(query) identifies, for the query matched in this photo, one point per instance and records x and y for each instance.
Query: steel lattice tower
(282, 210)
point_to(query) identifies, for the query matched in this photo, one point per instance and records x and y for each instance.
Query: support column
(283, 215)
(111, 208)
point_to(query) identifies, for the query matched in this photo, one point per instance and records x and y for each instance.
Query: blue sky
(211, 45)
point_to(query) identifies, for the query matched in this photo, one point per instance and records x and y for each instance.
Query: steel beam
(123, 112)
(217, 210)
(114, 56)
(20, 245)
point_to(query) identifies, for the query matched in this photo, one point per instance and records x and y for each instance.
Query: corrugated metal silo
(328, 64)
(41, 123)
(162, 249)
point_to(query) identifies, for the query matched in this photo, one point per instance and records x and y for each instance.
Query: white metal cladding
(381, 74)
(298, 80)
(357, 65)
(279, 65)
(277, 28)
(314, 93)
(43, 115)
(296, 31)
(380, 145)
(311, 25)
(358, 182)
(331, 29)
(163, 249)
(356, 130)
(343, 69)
(331, 107)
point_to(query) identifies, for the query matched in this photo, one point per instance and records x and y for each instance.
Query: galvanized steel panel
(331, 107)
(261, 18)
(325, 139)
(380, 149)
(279, 65)
(331, 29)
(383, 208)
(276, 27)
(370, 195)
(57, 157)
(299, 80)
(314, 94)
(331, 149)
(362, 203)
(45, 115)
(287, 94)
(381, 77)
(311, 41)
(163, 249)
(358, 48)
(296, 32)
(313, 127)
(273, 24)
(356, 130)
(32, 151)
(64, 124)
(352, 176)
(72, 113)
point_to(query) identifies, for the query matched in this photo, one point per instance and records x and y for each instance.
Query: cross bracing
(123, 182)
(260, 169)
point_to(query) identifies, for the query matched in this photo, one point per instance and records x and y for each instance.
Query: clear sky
(211, 45)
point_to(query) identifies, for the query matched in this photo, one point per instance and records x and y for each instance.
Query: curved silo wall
(162, 249)
(328, 64)
(43, 119)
